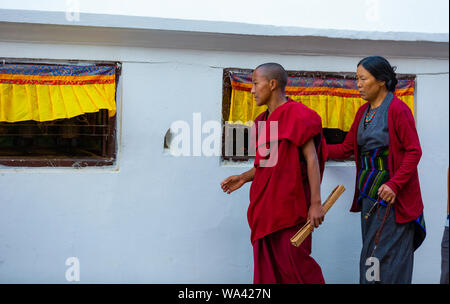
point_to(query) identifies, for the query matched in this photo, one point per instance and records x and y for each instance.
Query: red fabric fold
(279, 194)
(279, 262)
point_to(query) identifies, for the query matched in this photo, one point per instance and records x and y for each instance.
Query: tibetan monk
(286, 177)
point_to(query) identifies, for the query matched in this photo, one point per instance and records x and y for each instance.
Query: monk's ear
(273, 84)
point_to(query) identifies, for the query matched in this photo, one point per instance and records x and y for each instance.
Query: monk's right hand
(316, 214)
(232, 183)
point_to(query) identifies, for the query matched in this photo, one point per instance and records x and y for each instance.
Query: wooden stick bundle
(303, 233)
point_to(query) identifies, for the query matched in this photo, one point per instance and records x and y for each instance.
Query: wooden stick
(306, 230)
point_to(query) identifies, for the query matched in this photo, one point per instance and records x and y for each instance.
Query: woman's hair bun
(392, 83)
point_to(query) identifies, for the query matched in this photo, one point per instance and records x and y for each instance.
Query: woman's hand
(386, 194)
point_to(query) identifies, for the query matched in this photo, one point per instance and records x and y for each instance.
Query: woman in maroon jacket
(384, 141)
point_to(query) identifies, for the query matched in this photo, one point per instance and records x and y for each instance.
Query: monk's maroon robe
(280, 194)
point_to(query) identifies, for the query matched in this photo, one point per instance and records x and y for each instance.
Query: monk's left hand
(316, 214)
(386, 194)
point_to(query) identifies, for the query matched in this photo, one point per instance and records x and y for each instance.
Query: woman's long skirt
(391, 262)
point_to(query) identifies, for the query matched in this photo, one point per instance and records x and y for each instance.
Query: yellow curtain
(335, 103)
(46, 93)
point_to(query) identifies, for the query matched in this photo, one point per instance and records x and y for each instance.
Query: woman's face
(368, 86)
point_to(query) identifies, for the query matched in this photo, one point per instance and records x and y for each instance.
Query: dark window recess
(84, 140)
(235, 143)
(334, 136)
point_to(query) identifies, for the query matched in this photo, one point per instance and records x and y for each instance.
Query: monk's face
(261, 87)
(368, 86)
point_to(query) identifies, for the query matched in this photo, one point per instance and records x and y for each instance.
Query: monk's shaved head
(275, 71)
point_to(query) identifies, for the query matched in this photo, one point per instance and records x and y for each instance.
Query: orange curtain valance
(336, 100)
(50, 92)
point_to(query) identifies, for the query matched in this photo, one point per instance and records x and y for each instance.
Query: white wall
(161, 219)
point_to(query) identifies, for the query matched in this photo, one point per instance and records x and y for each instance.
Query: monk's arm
(248, 176)
(235, 182)
(316, 213)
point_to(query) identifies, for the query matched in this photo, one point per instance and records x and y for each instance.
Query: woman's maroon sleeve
(405, 129)
(345, 149)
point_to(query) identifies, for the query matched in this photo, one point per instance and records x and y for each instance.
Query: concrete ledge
(98, 29)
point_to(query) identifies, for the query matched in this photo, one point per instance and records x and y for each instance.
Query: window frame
(108, 142)
(226, 102)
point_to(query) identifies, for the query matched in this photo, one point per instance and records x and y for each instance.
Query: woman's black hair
(381, 69)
